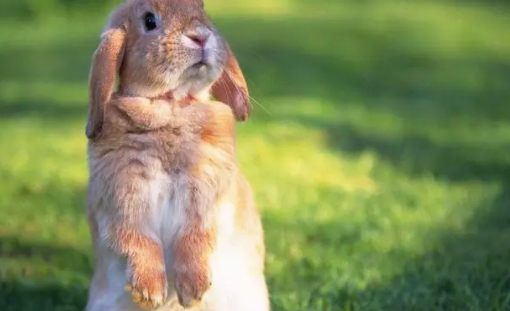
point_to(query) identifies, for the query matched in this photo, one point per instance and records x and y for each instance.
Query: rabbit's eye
(150, 21)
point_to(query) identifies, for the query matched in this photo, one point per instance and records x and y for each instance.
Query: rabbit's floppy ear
(231, 88)
(106, 63)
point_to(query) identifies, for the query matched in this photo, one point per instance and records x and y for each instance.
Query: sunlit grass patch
(377, 150)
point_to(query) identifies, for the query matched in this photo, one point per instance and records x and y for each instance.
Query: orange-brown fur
(209, 143)
(157, 147)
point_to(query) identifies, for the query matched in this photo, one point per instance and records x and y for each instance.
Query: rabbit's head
(156, 47)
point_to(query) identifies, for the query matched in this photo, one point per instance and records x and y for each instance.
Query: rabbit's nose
(199, 39)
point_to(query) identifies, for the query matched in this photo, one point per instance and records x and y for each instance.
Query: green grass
(381, 159)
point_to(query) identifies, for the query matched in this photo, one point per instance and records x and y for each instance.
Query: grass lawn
(380, 158)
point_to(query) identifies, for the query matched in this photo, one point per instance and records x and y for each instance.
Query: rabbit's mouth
(196, 79)
(203, 58)
(203, 69)
(199, 65)
(198, 71)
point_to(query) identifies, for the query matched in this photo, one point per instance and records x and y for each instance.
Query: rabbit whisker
(251, 97)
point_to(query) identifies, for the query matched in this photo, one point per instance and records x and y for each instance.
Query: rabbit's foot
(148, 285)
(191, 283)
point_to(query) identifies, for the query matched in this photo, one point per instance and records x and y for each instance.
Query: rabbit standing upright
(173, 221)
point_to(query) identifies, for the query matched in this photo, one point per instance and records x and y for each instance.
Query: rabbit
(173, 221)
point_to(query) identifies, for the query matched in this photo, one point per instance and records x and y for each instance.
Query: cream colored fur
(171, 215)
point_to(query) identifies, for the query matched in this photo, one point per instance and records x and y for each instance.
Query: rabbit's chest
(166, 157)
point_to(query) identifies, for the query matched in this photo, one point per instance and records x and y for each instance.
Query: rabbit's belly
(238, 282)
(167, 211)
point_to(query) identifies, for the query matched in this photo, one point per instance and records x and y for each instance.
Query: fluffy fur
(173, 220)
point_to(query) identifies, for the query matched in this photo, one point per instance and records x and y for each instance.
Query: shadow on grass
(395, 68)
(20, 290)
(42, 109)
(62, 258)
(391, 70)
(425, 91)
(44, 81)
(418, 155)
(467, 271)
(66, 62)
(40, 270)
(461, 270)
(17, 296)
(418, 85)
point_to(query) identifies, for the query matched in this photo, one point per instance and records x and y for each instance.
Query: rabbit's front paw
(148, 285)
(191, 283)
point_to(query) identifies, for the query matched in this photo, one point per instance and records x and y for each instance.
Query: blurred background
(379, 150)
